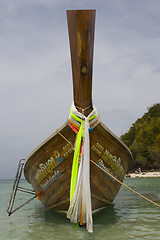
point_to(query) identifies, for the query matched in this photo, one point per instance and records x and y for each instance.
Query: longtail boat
(72, 169)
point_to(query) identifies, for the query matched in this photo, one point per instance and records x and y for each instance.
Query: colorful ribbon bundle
(80, 193)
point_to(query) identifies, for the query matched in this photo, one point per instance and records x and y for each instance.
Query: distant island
(143, 140)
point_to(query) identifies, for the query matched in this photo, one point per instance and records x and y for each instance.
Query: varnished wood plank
(81, 27)
(103, 200)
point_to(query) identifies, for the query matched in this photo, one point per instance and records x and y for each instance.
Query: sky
(35, 69)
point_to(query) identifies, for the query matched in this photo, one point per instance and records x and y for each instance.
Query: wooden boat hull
(48, 168)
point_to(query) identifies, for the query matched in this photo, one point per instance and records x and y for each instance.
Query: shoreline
(143, 174)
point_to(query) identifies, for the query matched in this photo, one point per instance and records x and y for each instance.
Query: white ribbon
(82, 194)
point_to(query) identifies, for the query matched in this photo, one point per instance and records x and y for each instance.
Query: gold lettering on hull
(111, 160)
(44, 169)
(48, 167)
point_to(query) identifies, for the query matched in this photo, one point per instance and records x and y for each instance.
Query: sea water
(132, 217)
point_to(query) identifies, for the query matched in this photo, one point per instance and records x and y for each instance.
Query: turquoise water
(131, 218)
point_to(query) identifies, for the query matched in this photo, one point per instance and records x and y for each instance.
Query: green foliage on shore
(143, 139)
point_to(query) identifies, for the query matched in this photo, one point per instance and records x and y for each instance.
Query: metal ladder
(16, 188)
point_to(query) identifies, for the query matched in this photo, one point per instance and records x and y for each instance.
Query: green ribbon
(75, 162)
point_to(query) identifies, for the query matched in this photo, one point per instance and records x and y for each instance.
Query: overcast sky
(35, 69)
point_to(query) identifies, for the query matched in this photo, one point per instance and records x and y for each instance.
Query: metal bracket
(16, 188)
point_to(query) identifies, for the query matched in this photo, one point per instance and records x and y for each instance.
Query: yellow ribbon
(75, 162)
